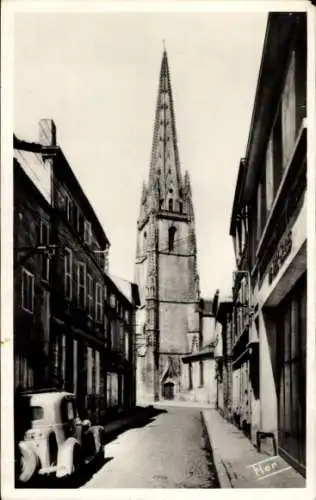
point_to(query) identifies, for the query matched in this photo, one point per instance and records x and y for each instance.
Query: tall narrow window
(126, 345)
(108, 390)
(145, 242)
(190, 377)
(27, 291)
(90, 294)
(259, 194)
(300, 78)
(171, 204)
(68, 273)
(97, 372)
(75, 364)
(89, 370)
(288, 113)
(277, 153)
(68, 207)
(87, 232)
(93, 370)
(81, 285)
(269, 175)
(76, 213)
(263, 199)
(44, 241)
(98, 302)
(180, 207)
(63, 360)
(171, 238)
(201, 374)
(81, 224)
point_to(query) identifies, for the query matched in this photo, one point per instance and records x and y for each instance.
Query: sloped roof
(123, 285)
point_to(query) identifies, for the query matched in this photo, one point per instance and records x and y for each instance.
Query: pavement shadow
(141, 418)
(72, 482)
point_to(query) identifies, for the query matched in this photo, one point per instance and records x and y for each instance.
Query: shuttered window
(288, 113)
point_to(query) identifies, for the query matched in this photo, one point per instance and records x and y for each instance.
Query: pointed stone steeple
(166, 258)
(165, 165)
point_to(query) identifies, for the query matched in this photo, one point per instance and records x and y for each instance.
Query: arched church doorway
(168, 390)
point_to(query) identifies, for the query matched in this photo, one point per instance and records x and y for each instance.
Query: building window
(63, 361)
(190, 377)
(112, 300)
(55, 356)
(44, 241)
(97, 372)
(89, 370)
(78, 221)
(75, 364)
(98, 303)
(269, 176)
(87, 232)
(263, 200)
(259, 194)
(76, 217)
(81, 285)
(171, 235)
(126, 345)
(108, 390)
(180, 207)
(114, 389)
(68, 273)
(171, 204)
(68, 207)
(201, 374)
(288, 110)
(100, 257)
(277, 153)
(145, 242)
(90, 294)
(27, 291)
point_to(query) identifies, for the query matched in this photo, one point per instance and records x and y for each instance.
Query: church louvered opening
(171, 237)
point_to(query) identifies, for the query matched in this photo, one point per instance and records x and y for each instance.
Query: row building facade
(74, 327)
(267, 395)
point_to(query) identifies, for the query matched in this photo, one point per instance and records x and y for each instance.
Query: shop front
(283, 325)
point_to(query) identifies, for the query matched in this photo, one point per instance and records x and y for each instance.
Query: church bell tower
(166, 262)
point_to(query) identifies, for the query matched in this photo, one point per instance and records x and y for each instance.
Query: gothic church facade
(166, 263)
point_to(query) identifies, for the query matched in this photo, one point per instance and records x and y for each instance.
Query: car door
(71, 422)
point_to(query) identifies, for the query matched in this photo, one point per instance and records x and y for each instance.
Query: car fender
(99, 437)
(29, 462)
(65, 457)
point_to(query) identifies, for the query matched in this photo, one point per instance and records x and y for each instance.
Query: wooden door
(292, 377)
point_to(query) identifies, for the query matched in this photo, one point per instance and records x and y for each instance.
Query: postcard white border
(9, 8)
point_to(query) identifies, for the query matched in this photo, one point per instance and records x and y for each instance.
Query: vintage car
(57, 441)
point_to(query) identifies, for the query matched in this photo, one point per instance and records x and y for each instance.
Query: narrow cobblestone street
(169, 452)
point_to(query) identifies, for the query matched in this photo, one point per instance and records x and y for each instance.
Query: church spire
(165, 165)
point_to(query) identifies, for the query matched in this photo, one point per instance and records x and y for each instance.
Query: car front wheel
(28, 463)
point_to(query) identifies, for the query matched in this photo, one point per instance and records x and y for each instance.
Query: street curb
(222, 473)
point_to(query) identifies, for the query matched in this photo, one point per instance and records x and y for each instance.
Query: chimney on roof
(47, 132)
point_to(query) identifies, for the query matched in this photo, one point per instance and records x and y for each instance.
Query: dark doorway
(168, 390)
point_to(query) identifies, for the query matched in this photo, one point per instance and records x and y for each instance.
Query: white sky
(97, 74)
